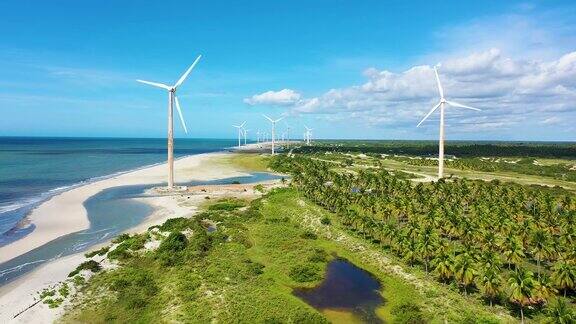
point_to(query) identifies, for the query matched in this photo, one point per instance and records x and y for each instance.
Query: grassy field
(245, 161)
(247, 269)
(247, 273)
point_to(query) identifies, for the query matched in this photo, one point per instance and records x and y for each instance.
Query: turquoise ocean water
(34, 169)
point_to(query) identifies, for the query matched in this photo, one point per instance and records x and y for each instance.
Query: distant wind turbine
(239, 132)
(287, 134)
(307, 134)
(443, 102)
(273, 121)
(171, 99)
(246, 134)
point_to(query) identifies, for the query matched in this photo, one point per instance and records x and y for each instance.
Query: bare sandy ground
(21, 295)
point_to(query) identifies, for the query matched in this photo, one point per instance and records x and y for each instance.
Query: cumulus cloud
(507, 90)
(283, 97)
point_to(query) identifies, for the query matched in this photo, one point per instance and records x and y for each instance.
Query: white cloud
(508, 91)
(275, 98)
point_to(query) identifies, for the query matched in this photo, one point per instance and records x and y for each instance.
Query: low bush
(100, 252)
(87, 265)
(309, 235)
(319, 255)
(227, 205)
(325, 221)
(408, 313)
(305, 273)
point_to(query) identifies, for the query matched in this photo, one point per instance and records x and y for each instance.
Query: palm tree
(443, 265)
(560, 312)
(541, 246)
(490, 284)
(464, 270)
(564, 275)
(522, 286)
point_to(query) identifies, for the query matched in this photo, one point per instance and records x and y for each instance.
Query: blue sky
(348, 69)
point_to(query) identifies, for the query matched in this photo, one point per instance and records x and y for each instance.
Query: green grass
(247, 269)
(246, 161)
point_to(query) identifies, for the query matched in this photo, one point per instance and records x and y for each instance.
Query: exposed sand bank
(65, 213)
(22, 294)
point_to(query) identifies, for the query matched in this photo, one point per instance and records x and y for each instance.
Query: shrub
(309, 235)
(87, 265)
(227, 205)
(100, 252)
(305, 273)
(64, 291)
(408, 313)
(325, 221)
(175, 242)
(121, 238)
(135, 287)
(259, 188)
(319, 255)
(175, 224)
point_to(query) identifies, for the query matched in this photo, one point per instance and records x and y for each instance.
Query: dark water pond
(346, 288)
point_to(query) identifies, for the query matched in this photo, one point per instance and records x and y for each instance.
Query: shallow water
(346, 292)
(111, 212)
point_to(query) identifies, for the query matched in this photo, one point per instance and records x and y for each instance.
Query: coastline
(22, 293)
(65, 213)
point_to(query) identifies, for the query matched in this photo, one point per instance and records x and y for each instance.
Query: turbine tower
(246, 134)
(307, 134)
(442, 104)
(287, 135)
(273, 121)
(239, 132)
(171, 100)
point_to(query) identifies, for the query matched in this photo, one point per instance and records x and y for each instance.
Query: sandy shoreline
(65, 213)
(20, 294)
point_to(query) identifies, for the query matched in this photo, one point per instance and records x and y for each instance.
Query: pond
(347, 294)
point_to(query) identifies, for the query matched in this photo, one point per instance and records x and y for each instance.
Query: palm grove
(512, 244)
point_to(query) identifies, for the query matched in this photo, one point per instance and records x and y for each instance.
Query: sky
(347, 69)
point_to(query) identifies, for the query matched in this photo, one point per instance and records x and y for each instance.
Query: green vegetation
(458, 148)
(508, 244)
(87, 265)
(99, 252)
(246, 161)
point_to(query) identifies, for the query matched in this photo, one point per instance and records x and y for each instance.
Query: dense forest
(460, 149)
(510, 244)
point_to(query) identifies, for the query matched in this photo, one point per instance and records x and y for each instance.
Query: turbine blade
(279, 119)
(180, 114)
(455, 104)
(439, 84)
(429, 113)
(155, 84)
(185, 75)
(244, 123)
(270, 119)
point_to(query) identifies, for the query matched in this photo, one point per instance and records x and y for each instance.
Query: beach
(65, 214)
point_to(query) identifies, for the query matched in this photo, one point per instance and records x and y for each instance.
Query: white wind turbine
(258, 136)
(246, 134)
(171, 99)
(239, 132)
(287, 135)
(273, 121)
(443, 102)
(308, 134)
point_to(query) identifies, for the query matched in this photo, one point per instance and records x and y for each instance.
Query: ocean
(34, 169)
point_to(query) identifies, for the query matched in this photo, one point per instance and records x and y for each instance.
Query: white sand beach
(65, 213)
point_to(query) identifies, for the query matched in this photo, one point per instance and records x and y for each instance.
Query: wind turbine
(443, 102)
(287, 134)
(273, 121)
(246, 134)
(258, 136)
(307, 134)
(171, 99)
(239, 132)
